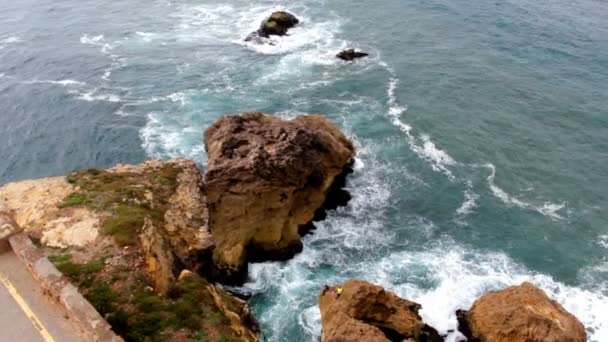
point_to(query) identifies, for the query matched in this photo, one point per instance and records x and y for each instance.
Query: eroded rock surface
(519, 314)
(367, 312)
(277, 24)
(266, 178)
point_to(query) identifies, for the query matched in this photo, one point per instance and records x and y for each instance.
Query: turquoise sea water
(481, 126)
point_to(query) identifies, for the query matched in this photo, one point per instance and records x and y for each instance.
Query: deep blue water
(481, 126)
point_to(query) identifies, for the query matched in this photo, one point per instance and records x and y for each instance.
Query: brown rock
(267, 177)
(520, 314)
(183, 240)
(236, 311)
(158, 257)
(186, 220)
(367, 312)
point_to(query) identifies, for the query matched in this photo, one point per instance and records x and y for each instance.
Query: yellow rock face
(265, 178)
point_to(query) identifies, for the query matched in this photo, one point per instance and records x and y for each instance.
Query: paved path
(27, 315)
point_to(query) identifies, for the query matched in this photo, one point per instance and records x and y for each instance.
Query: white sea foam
(442, 278)
(9, 40)
(98, 41)
(548, 209)
(146, 36)
(178, 97)
(425, 149)
(93, 96)
(602, 240)
(469, 203)
(64, 83)
(172, 138)
(460, 276)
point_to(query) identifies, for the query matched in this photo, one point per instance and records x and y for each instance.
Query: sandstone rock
(236, 311)
(367, 312)
(277, 24)
(519, 314)
(160, 263)
(351, 54)
(267, 177)
(186, 219)
(163, 201)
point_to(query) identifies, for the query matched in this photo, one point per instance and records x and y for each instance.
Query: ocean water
(481, 128)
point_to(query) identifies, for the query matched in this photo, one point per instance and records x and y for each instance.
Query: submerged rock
(351, 54)
(367, 312)
(266, 178)
(277, 24)
(519, 314)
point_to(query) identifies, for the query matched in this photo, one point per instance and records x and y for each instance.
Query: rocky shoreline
(149, 245)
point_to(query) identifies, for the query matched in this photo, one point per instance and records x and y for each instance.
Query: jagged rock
(277, 24)
(351, 54)
(266, 177)
(367, 312)
(235, 310)
(158, 257)
(186, 219)
(519, 314)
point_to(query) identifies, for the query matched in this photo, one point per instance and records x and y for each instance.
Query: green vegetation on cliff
(129, 197)
(135, 312)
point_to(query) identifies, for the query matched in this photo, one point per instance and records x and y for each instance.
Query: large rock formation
(277, 24)
(125, 234)
(366, 312)
(266, 178)
(519, 314)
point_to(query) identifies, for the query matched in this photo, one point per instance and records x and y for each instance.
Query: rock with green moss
(277, 24)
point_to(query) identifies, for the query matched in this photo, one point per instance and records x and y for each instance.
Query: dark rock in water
(351, 54)
(276, 25)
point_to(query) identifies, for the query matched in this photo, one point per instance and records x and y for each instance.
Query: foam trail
(439, 159)
(10, 40)
(146, 36)
(602, 240)
(91, 97)
(64, 83)
(469, 204)
(547, 209)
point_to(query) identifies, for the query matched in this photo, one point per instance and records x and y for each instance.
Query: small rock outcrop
(351, 54)
(277, 24)
(367, 312)
(267, 178)
(519, 314)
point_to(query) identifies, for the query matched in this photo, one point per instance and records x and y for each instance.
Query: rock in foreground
(519, 314)
(351, 54)
(277, 24)
(366, 312)
(266, 178)
(122, 236)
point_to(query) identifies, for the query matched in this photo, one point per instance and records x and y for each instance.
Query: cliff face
(126, 233)
(129, 232)
(266, 178)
